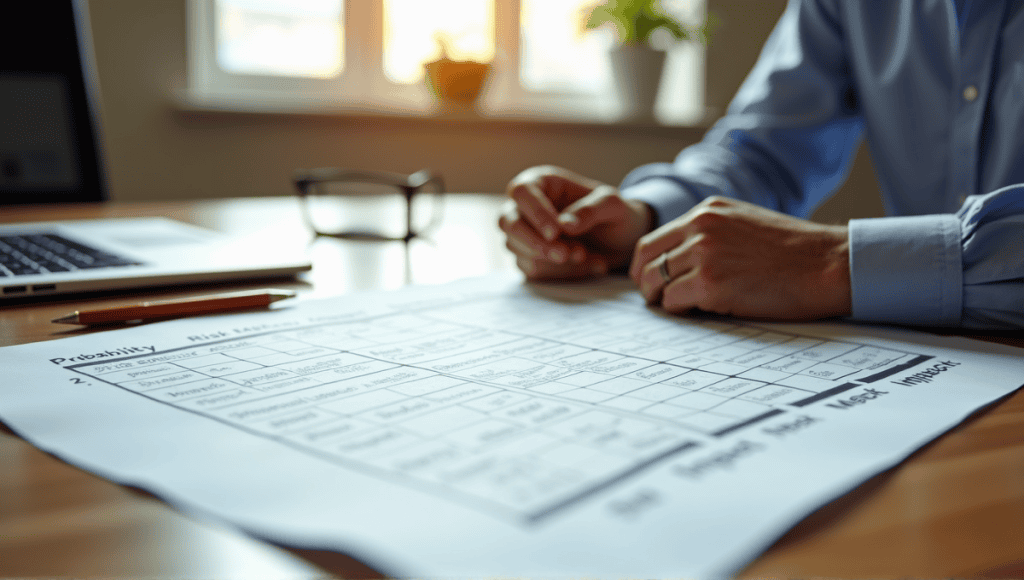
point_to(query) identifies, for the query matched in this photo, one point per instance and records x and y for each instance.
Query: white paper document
(486, 428)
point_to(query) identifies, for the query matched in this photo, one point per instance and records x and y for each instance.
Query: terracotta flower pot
(455, 82)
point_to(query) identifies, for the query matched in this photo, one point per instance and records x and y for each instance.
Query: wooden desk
(954, 509)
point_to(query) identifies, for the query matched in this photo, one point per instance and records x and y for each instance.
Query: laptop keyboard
(42, 253)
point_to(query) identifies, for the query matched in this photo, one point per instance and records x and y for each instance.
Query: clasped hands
(723, 256)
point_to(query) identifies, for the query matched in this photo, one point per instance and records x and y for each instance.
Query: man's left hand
(735, 258)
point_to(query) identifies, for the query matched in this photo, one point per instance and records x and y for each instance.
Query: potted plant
(636, 64)
(455, 84)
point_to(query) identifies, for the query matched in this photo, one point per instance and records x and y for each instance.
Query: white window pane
(681, 95)
(296, 38)
(411, 28)
(556, 54)
(690, 12)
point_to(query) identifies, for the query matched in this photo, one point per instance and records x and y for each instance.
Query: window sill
(195, 104)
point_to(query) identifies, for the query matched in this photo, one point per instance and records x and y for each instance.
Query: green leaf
(635, 20)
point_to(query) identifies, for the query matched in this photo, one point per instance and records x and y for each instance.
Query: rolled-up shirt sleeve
(964, 269)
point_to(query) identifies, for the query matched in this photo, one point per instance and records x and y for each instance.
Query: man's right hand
(561, 225)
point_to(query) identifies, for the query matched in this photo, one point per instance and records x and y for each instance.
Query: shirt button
(970, 93)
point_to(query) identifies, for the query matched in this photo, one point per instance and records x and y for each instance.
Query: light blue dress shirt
(937, 89)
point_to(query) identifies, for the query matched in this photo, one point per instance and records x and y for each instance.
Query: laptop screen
(48, 138)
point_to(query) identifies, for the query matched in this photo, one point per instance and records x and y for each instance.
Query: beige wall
(157, 151)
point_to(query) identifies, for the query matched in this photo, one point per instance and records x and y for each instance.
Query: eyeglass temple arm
(304, 179)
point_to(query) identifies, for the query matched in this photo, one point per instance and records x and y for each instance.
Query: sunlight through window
(298, 38)
(411, 29)
(544, 62)
(556, 53)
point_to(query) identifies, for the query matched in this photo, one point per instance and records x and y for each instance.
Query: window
(369, 54)
(412, 29)
(280, 37)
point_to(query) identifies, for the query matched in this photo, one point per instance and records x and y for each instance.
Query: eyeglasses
(334, 201)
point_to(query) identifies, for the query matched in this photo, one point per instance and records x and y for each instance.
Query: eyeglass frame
(306, 180)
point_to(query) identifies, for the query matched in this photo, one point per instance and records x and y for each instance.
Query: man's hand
(561, 225)
(736, 258)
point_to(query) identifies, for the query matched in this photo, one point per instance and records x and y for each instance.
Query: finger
(523, 241)
(661, 240)
(509, 215)
(655, 244)
(684, 293)
(653, 278)
(535, 207)
(520, 248)
(577, 253)
(660, 271)
(602, 205)
(561, 185)
(527, 265)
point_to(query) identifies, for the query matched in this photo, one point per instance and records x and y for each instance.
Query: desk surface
(953, 509)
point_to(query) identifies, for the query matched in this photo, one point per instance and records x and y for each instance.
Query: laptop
(55, 90)
(48, 258)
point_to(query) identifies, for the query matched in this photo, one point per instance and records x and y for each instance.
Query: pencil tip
(281, 295)
(69, 319)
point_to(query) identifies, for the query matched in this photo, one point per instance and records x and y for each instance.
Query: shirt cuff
(907, 270)
(666, 198)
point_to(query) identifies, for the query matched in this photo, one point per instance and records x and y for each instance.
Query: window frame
(362, 84)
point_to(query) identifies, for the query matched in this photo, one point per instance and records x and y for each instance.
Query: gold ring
(663, 268)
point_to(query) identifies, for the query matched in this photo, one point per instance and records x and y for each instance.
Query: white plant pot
(636, 71)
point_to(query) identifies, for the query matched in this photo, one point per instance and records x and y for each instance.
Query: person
(937, 89)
